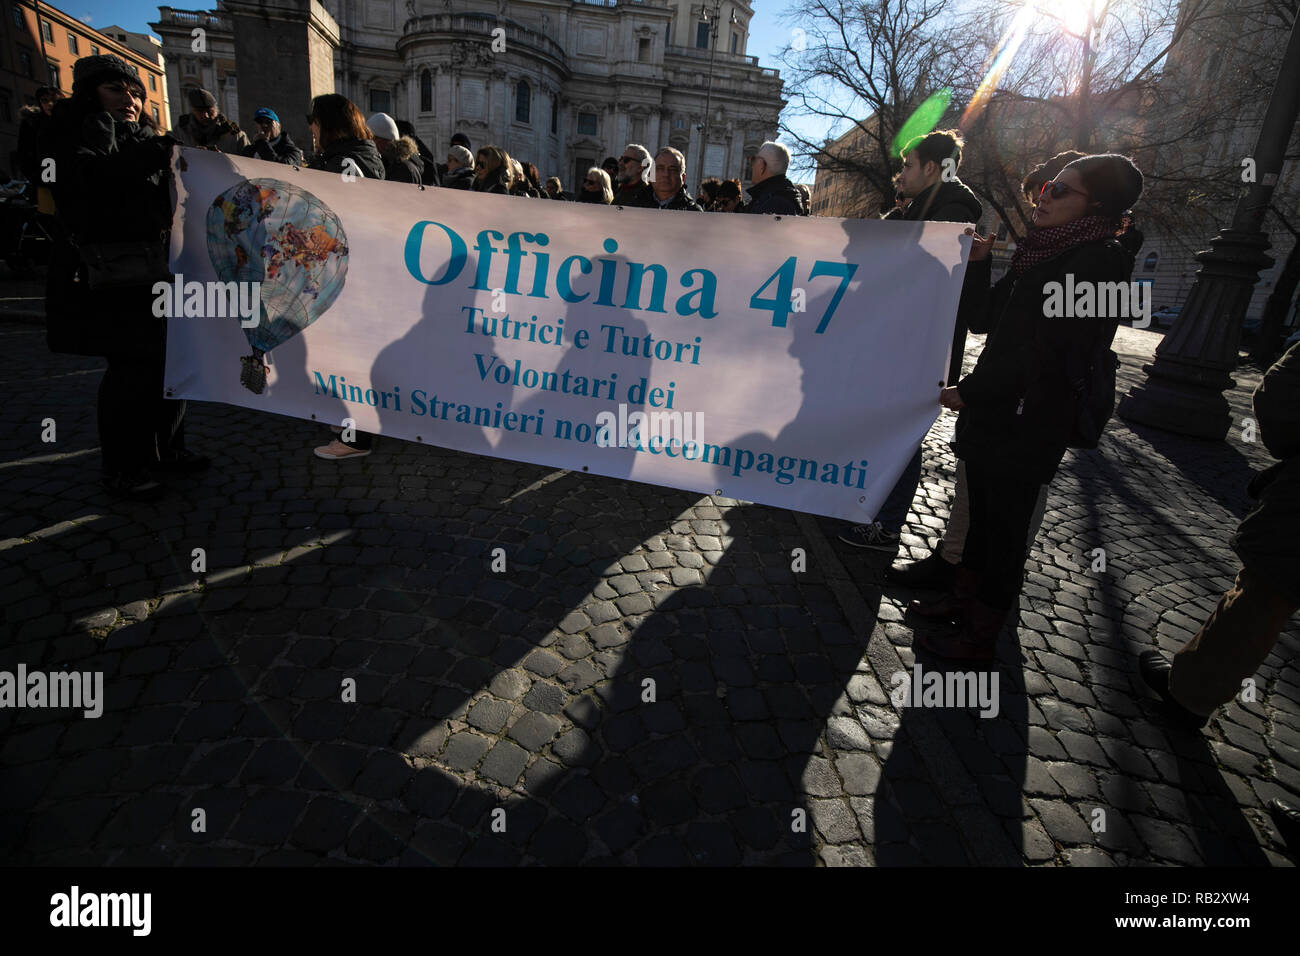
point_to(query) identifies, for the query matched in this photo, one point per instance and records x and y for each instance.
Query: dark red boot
(951, 606)
(975, 640)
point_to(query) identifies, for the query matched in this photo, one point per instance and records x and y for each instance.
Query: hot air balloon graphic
(281, 236)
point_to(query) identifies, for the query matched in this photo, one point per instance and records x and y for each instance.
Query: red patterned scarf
(1043, 244)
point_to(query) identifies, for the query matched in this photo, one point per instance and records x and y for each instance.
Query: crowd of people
(1019, 409)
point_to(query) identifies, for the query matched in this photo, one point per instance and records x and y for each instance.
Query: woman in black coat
(492, 173)
(112, 187)
(1019, 405)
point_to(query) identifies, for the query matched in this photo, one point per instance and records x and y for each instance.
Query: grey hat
(201, 99)
(90, 71)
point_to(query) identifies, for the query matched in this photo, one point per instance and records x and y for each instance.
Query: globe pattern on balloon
(283, 237)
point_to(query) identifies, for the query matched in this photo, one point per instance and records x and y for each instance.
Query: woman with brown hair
(492, 172)
(339, 133)
(343, 143)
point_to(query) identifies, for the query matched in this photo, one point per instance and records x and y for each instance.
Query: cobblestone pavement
(647, 682)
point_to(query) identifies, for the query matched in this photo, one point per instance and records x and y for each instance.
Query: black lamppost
(711, 15)
(1184, 389)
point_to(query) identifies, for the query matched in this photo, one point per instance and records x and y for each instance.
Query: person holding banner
(1018, 407)
(344, 144)
(112, 191)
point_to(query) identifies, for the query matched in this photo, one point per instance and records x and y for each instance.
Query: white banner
(790, 361)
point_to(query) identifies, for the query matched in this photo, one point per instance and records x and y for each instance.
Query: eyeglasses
(1056, 190)
(628, 159)
(264, 121)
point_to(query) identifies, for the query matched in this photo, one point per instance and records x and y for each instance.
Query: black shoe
(931, 573)
(1287, 820)
(136, 487)
(186, 463)
(1155, 671)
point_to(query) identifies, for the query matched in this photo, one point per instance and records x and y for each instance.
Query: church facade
(559, 83)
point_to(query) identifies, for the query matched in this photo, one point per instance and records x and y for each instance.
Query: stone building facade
(560, 83)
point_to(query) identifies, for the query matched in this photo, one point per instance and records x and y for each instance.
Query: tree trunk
(1269, 345)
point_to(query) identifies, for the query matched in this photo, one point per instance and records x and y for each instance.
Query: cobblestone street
(647, 682)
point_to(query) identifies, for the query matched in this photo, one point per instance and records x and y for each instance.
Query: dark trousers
(137, 425)
(1001, 511)
(894, 511)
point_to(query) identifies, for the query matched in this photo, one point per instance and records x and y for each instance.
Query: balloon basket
(253, 374)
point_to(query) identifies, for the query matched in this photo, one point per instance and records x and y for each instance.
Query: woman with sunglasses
(112, 188)
(596, 187)
(1018, 406)
(493, 171)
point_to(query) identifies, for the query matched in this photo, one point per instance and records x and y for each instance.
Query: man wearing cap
(396, 150)
(272, 143)
(206, 128)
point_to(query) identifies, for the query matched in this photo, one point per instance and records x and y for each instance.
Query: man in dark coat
(1208, 671)
(771, 192)
(669, 188)
(933, 193)
(272, 143)
(205, 127)
(632, 187)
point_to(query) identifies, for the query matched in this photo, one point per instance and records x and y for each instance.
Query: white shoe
(336, 450)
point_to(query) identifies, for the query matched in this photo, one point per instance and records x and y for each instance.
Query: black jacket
(776, 195)
(283, 150)
(493, 182)
(461, 178)
(595, 196)
(1020, 405)
(361, 151)
(944, 202)
(683, 200)
(638, 195)
(402, 164)
(1268, 539)
(112, 186)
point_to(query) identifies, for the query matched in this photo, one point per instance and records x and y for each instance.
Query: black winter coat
(683, 200)
(403, 164)
(1268, 539)
(776, 195)
(493, 182)
(461, 178)
(944, 202)
(361, 151)
(1019, 400)
(283, 150)
(637, 196)
(112, 186)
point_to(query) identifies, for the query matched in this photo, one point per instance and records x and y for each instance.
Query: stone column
(285, 51)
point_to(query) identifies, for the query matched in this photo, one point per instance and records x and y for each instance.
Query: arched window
(1149, 263)
(426, 91)
(523, 102)
(555, 113)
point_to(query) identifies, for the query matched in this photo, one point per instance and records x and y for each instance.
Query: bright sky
(767, 35)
